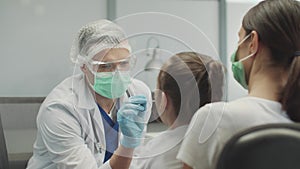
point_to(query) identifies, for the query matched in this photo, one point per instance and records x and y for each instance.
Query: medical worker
(184, 84)
(79, 122)
(267, 63)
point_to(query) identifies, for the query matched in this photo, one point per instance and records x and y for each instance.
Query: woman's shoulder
(214, 114)
(238, 113)
(231, 106)
(218, 110)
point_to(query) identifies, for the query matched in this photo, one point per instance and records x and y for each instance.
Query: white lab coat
(65, 130)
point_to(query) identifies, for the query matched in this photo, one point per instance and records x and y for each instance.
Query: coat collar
(85, 96)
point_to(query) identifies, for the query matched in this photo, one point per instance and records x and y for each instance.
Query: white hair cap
(95, 37)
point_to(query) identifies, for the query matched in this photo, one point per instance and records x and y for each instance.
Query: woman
(184, 84)
(267, 63)
(78, 123)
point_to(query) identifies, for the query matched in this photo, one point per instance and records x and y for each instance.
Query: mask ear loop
(245, 58)
(244, 39)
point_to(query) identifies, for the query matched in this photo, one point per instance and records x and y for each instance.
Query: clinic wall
(36, 37)
(183, 14)
(179, 25)
(35, 42)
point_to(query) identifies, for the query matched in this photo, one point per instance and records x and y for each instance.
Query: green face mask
(238, 67)
(238, 71)
(111, 84)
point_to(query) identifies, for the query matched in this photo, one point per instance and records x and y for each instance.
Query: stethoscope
(97, 145)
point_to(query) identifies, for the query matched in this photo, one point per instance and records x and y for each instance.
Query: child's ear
(164, 101)
(160, 102)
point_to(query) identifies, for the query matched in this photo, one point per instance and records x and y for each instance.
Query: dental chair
(272, 146)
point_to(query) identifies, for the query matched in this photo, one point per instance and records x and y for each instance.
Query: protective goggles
(121, 65)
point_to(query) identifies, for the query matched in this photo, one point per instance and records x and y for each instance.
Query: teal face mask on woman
(238, 67)
(111, 84)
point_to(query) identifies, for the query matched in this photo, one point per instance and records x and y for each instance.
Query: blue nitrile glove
(131, 119)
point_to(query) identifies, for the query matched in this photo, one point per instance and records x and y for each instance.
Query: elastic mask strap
(241, 43)
(244, 39)
(246, 57)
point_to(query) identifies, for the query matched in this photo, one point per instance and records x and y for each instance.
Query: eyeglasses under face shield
(121, 65)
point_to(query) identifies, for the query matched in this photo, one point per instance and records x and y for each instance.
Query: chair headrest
(269, 146)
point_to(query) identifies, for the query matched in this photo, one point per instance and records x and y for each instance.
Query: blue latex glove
(131, 119)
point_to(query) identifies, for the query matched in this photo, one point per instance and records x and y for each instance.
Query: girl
(186, 82)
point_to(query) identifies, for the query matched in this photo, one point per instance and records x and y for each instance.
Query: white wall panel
(35, 41)
(180, 25)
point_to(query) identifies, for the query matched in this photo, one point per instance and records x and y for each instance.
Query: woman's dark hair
(277, 23)
(191, 80)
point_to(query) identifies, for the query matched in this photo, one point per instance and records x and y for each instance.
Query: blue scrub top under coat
(111, 129)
